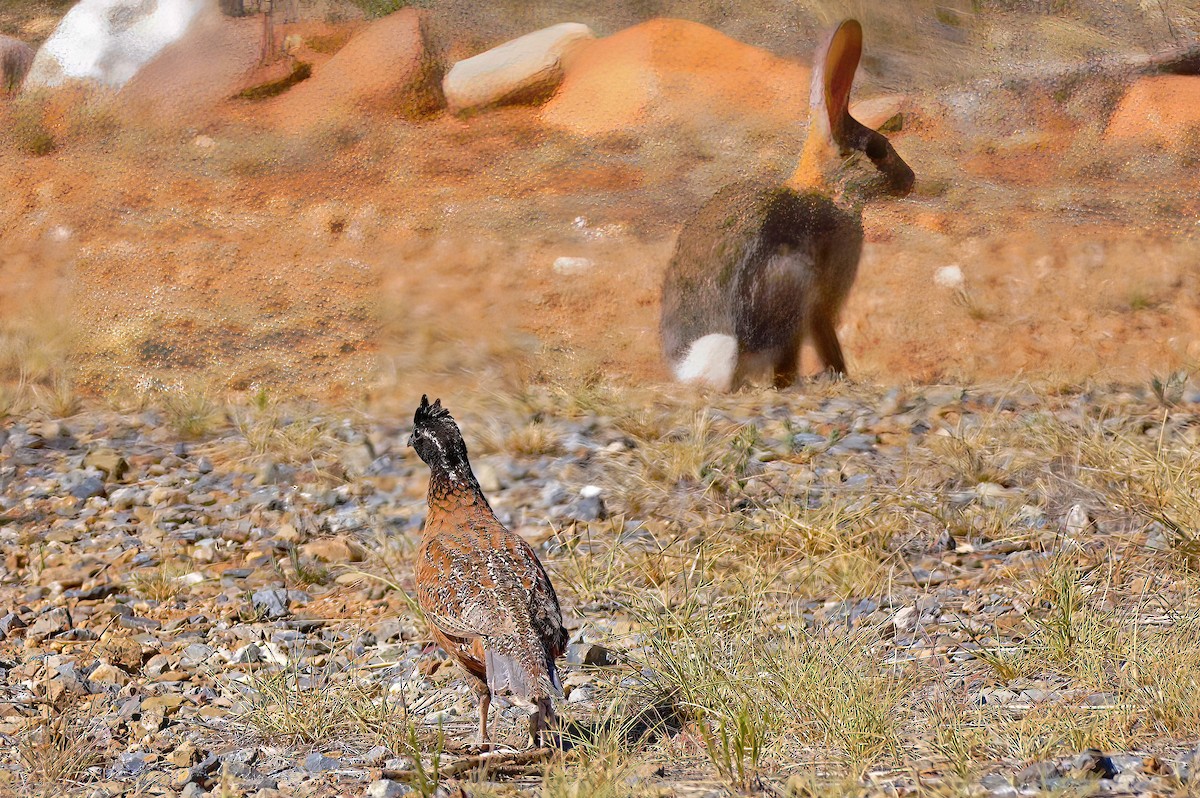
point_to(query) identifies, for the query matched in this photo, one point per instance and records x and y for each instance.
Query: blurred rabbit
(762, 265)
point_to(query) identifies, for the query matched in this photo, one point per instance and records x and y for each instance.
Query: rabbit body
(788, 260)
(762, 266)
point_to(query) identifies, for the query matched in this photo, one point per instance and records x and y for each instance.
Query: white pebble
(949, 276)
(566, 265)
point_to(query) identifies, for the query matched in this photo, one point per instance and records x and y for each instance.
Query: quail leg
(485, 703)
(541, 723)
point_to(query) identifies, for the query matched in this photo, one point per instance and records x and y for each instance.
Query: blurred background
(286, 197)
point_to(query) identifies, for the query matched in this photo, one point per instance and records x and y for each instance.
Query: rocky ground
(839, 590)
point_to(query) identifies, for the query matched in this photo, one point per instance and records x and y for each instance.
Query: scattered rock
(387, 68)
(590, 654)
(109, 462)
(317, 762)
(108, 41)
(189, 77)
(15, 59)
(524, 69)
(1038, 774)
(950, 277)
(274, 601)
(48, 624)
(386, 788)
(569, 266)
(1077, 521)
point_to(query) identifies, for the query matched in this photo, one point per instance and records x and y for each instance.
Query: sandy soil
(374, 252)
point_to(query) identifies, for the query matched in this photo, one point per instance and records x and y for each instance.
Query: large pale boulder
(1162, 110)
(15, 58)
(527, 67)
(668, 72)
(388, 67)
(197, 72)
(108, 41)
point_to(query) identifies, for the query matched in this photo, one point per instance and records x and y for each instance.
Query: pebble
(386, 788)
(187, 576)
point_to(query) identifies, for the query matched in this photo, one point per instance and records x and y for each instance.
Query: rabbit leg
(787, 365)
(828, 349)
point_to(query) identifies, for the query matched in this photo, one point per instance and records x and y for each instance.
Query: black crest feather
(430, 412)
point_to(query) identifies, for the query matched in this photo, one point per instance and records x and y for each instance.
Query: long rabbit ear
(836, 65)
(831, 129)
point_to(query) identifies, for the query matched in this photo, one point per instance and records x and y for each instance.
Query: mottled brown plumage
(486, 596)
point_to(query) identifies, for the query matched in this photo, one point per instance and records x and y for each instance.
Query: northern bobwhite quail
(486, 596)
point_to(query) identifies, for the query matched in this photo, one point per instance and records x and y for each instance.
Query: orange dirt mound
(387, 67)
(192, 76)
(671, 71)
(1163, 109)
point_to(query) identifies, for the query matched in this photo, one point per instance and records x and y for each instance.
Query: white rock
(949, 277)
(440, 716)
(525, 64)
(386, 788)
(246, 654)
(108, 41)
(905, 620)
(1077, 521)
(566, 265)
(15, 58)
(589, 491)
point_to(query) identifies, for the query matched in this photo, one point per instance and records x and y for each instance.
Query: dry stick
(498, 758)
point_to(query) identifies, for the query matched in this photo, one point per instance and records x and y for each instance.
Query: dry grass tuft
(56, 749)
(316, 706)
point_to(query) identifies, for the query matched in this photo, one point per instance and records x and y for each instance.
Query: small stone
(587, 509)
(1095, 763)
(488, 477)
(88, 487)
(377, 756)
(166, 703)
(949, 277)
(108, 674)
(49, 624)
(246, 654)
(317, 762)
(9, 623)
(579, 695)
(287, 533)
(272, 601)
(591, 655)
(1077, 521)
(571, 266)
(127, 765)
(333, 550)
(141, 624)
(107, 461)
(1038, 773)
(192, 790)
(125, 498)
(527, 66)
(386, 788)
(184, 756)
